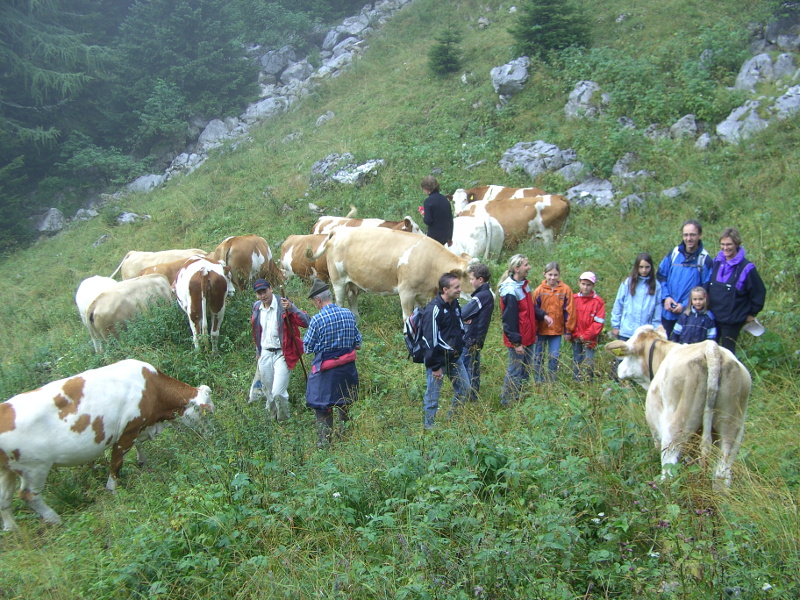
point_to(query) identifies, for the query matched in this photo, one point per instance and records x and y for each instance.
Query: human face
(454, 291)
(587, 287)
(645, 268)
(521, 272)
(691, 237)
(728, 248)
(551, 277)
(698, 301)
(475, 282)
(265, 296)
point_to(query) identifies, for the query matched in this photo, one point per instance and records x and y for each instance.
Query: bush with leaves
(545, 25)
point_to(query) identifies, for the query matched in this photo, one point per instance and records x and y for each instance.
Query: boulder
(128, 218)
(325, 118)
(299, 71)
(536, 158)
(585, 101)
(358, 175)
(214, 133)
(685, 127)
(593, 191)
(51, 222)
(785, 32)
(511, 77)
(146, 183)
(757, 69)
(788, 104)
(275, 61)
(264, 109)
(742, 123)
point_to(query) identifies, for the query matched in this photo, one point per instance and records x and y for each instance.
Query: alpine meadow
(556, 497)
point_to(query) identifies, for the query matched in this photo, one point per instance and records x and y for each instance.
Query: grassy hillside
(556, 497)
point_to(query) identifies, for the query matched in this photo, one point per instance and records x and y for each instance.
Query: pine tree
(443, 57)
(545, 25)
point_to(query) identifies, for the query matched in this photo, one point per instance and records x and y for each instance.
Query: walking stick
(288, 324)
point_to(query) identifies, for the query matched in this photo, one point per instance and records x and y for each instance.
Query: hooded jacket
(292, 348)
(590, 316)
(519, 315)
(735, 289)
(679, 272)
(558, 303)
(476, 331)
(632, 311)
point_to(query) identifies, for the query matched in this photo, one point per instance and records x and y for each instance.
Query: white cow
(477, 237)
(693, 390)
(89, 289)
(73, 421)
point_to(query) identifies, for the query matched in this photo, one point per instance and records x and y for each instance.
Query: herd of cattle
(690, 389)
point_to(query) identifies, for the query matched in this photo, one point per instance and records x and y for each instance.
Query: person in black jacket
(443, 333)
(476, 314)
(436, 212)
(736, 293)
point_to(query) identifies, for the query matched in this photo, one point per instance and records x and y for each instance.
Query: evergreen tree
(444, 57)
(545, 25)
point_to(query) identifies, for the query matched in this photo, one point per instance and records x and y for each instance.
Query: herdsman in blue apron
(333, 337)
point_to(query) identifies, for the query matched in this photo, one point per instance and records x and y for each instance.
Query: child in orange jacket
(590, 316)
(555, 298)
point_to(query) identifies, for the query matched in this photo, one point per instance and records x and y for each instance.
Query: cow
(107, 312)
(73, 421)
(89, 289)
(202, 287)
(525, 218)
(692, 390)
(134, 261)
(477, 236)
(169, 269)
(462, 198)
(325, 224)
(248, 257)
(295, 261)
(388, 262)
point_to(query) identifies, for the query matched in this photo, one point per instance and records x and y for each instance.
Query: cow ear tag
(616, 348)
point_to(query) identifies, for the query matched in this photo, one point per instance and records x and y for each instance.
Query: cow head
(460, 200)
(638, 355)
(198, 407)
(410, 226)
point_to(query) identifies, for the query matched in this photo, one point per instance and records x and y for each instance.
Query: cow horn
(617, 348)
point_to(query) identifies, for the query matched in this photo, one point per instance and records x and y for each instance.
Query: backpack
(412, 333)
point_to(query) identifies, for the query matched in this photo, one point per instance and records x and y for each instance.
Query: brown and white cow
(461, 198)
(295, 260)
(169, 269)
(73, 421)
(134, 261)
(477, 237)
(111, 308)
(525, 218)
(324, 225)
(202, 287)
(248, 257)
(388, 262)
(693, 390)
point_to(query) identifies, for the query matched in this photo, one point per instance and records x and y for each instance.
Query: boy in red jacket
(590, 311)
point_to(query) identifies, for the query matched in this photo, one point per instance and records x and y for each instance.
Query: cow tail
(713, 373)
(119, 267)
(488, 226)
(352, 212)
(204, 292)
(323, 247)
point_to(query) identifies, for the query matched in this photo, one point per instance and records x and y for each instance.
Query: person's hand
(615, 333)
(285, 303)
(437, 373)
(421, 210)
(591, 344)
(569, 338)
(749, 319)
(449, 242)
(549, 320)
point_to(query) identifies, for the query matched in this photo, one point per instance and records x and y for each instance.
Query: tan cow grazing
(693, 390)
(388, 262)
(295, 260)
(461, 198)
(249, 258)
(169, 269)
(73, 421)
(110, 309)
(525, 218)
(202, 287)
(135, 261)
(89, 289)
(324, 225)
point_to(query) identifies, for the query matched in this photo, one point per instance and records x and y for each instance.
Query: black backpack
(412, 332)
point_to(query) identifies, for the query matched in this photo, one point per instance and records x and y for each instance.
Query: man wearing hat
(275, 322)
(333, 337)
(590, 313)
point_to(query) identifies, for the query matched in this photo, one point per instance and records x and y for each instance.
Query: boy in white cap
(590, 311)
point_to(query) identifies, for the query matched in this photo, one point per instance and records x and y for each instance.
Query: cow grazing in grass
(107, 312)
(693, 391)
(89, 289)
(202, 287)
(249, 258)
(526, 218)
(477, 236)
(295, 260)
(135, 261)
(73, 421)
(388, 262)
(462, 198)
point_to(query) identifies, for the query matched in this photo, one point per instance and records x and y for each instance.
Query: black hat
(261, 284)
(317, 287)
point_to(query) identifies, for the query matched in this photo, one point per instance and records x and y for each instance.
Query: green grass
(556, 497)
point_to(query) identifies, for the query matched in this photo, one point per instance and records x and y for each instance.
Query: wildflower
(663, 524)
(337, 495)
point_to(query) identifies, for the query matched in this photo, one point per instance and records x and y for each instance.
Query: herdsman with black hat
(275, 322)
(333, 337)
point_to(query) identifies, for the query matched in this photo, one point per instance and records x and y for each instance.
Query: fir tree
(546, 25)
(443, 57)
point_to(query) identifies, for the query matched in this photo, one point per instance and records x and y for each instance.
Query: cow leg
(117, 456)
(141, 457)
(407, 302)
(216, 323)
(8, 481)
(32, 486)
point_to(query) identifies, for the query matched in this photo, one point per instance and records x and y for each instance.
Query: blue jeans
(519, 371)
(553, 343)
(582, 353)
(457, 374)
(472, 363)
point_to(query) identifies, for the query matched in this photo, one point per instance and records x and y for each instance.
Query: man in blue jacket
(443, 333)
(687, 266)
(476, 314)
